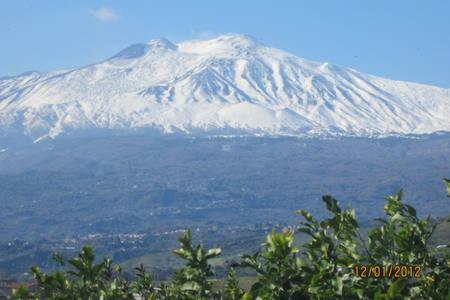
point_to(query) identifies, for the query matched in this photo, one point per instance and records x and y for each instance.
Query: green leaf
(447, 183)
(58, 258)
(213, 252)
(411, 210)
(332, 204)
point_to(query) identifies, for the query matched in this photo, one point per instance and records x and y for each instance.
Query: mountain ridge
(231, 83)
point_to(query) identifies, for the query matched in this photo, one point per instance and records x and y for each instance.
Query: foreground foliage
(322, 268)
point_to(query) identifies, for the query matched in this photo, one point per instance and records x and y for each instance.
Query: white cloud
(104, 14)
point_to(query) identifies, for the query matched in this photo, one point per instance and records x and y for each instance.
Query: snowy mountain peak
(231, 43)
(162, 43)
(133, 51)
(225, 85)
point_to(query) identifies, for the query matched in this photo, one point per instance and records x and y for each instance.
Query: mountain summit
(231, 84)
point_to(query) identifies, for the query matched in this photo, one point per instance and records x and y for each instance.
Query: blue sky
(406, 40)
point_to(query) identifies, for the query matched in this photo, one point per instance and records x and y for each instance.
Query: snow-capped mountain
(229, 84)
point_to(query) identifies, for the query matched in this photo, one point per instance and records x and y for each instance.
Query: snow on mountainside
(229, 84)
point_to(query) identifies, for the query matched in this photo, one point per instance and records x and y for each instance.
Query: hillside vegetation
(330, 265)
(153, 185)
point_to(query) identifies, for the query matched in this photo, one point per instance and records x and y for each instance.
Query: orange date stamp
(389, 271)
